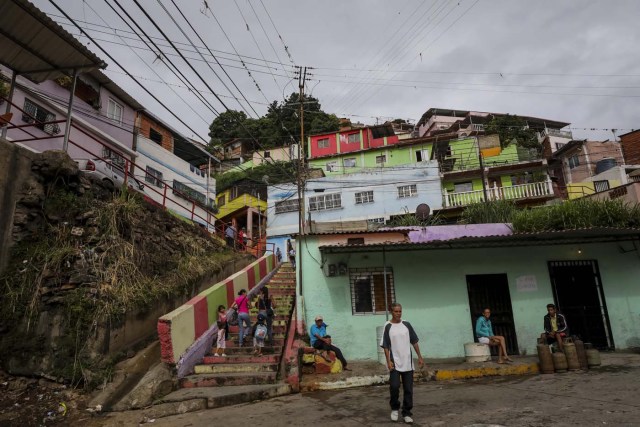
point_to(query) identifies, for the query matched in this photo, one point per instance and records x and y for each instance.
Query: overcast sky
(567, 60)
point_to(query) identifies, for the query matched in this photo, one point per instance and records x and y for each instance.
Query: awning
(34, 46)
(563, 237)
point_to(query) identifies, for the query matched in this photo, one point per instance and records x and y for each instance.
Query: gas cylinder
(559, 362)
(572, 355)
(545, 358)
(582, 355)
(593, 357)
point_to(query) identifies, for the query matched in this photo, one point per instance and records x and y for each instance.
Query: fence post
(446, 198)
(164, 195)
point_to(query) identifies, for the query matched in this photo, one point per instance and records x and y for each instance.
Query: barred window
(324, 202)
(407, 191)
(153, 177)
(323, 143)
(284, 206)
(367, 290)
(381, 159)
(33, 113)
(364, 197)
(188, 193)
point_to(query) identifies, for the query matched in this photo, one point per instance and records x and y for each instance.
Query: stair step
(228, 379)
(217, 397)
(232, 342)
(235, 368)
(249, 350)
(241, 358)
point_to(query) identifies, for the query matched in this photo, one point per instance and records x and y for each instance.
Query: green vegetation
(129, 258)
(280, 126)
(568, 215)
(513, 129)
(275, 173)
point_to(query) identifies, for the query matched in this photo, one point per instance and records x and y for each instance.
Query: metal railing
(128, 171)
(520, 191)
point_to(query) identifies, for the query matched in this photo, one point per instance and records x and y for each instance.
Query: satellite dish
(422, 211)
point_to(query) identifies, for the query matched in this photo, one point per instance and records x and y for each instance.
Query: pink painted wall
(314, 151)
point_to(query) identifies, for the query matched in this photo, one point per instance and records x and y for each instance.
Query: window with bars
(364, 197)
(285, 206)
(153, 177)
(331, 166)
(323, 143)
(33, 113)
(367, 290)
(353, 138)
(325, 202)
(407, 191)
(601, 186)
(381, 159)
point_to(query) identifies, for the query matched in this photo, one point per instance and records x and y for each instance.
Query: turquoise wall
(431, 286)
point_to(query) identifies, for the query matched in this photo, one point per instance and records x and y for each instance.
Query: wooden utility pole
(302, 76)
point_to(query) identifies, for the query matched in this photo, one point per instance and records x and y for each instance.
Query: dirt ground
(27, 402)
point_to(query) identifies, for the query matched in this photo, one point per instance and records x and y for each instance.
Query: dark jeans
(230, 241)
(321, 345)
(407, 391)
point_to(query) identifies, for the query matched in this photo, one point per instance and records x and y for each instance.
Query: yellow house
(244, 205)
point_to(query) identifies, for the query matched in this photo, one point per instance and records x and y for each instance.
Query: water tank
(605, 164)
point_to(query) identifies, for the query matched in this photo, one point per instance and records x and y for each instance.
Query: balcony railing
(556, 132)
(516, 192)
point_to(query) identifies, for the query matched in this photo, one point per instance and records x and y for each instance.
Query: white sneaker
(216, 355)
(224, 355)
(394, 415)
(408, 420)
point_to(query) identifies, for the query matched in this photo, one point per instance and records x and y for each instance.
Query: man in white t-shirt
(397, 340)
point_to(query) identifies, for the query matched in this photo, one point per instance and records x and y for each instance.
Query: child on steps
(221, 343)
(259, 334)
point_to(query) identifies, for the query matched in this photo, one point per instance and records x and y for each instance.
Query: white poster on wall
(527, 283)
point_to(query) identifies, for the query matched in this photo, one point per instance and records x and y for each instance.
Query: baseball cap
(318, 318)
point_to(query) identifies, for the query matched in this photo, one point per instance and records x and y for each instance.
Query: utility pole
(302, 76)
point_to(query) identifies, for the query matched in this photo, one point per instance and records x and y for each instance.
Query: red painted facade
(351, 140)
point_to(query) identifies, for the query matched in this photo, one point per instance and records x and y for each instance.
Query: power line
(218, 62)
(124, 69)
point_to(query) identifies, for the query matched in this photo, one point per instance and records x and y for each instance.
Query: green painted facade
(395, 156)
(431, 285)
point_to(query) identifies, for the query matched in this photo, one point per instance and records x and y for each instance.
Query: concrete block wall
(179, 329)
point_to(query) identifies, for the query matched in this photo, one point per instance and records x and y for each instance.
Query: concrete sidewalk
(374, 373)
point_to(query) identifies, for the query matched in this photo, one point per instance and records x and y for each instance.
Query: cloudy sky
(374, 60)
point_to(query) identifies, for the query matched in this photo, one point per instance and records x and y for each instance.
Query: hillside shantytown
(219, 203)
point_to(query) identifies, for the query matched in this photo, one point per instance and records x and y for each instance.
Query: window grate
(407, 191)
(325, 202)
(284, 206)
(364, 197)
(367, 290)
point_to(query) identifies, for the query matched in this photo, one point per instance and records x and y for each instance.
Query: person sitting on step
(555, 327)
(321, 341)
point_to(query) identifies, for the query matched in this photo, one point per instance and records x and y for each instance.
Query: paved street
(608, 396)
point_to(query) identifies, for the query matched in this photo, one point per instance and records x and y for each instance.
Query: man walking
(397, 339)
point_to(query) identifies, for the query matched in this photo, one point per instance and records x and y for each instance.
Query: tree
(513, 129)
(280, 125)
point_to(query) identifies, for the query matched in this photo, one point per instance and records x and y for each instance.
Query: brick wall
(147, 123)
(631, 147)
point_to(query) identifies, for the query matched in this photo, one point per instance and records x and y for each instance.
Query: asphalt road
(609, 396)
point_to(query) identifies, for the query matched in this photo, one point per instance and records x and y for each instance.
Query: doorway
(578, 294)
(492, 291)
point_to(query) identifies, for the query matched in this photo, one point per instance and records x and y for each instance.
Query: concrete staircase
(241, 376)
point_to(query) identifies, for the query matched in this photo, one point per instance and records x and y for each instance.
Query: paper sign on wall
(527, 284)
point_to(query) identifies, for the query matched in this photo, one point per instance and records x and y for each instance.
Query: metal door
(578, 294)
(492, 291)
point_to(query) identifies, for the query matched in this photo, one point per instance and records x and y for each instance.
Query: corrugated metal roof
(38, 48)
(584, 235)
